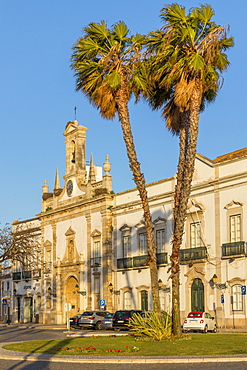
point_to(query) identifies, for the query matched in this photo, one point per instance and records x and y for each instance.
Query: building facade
(93, 242)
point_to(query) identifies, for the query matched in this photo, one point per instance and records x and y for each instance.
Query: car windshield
(122, 314)
(108, 315)
(87, 313)
(195, 314)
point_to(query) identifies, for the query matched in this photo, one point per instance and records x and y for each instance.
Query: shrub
(153, 325)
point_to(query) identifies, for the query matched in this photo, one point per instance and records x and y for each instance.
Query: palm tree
(106, 64)
(187, 58)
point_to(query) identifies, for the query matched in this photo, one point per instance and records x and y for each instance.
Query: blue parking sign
(102, 303)
(4, 301)
(222, 298)
(243, 289)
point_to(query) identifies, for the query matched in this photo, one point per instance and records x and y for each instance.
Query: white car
(199, 321)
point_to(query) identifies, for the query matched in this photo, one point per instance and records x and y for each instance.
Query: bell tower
(75, 140)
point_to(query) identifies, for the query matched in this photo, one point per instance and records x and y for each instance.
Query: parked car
(106, 323)
(199, 321)
(91, 319)
(74, 321)
(121, 319)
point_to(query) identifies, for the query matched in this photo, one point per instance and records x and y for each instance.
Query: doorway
(197, 295)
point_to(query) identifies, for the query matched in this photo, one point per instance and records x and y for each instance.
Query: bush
(153, 325)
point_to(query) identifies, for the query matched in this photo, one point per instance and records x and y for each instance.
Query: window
(96, 253)
(235, 228)
(160, 240)
(126, 246)
(144, 300)
(195, 235)
(127, 300)
(237, 298)
(143, 244)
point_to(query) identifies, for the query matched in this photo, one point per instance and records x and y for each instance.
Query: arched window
(127, 300)
(237, 298)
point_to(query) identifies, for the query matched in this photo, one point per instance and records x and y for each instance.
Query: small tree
(20, 245)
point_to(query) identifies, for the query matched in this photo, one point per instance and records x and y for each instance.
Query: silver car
(92, 319)
(106, 323)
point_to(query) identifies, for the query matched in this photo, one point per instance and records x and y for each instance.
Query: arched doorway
(197, 295)
(72, 295)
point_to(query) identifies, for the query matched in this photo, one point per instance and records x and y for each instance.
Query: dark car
(73, 321)
(92, 319)
(121, 319)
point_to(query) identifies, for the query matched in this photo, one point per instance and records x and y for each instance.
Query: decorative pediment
(194, 206)
(95, 233)
(233, 204)
(47, 244)
(159, 220)
(140, 224)
(125, 227)
(70, 232)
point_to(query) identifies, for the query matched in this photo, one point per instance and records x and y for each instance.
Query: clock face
(69, 187)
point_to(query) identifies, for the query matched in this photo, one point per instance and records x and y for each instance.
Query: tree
(107, 70)
(20, 246)
(187, 58)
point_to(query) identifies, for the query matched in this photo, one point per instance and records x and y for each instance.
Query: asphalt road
(15, 333)
(41, 365)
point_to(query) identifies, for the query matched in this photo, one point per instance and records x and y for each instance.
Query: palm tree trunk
(139, 180)
(188, 142)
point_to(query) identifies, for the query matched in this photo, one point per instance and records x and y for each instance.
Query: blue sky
(37, 95)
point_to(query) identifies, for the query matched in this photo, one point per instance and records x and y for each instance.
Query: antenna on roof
(75, 112)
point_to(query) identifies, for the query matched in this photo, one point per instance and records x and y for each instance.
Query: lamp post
(221, 286)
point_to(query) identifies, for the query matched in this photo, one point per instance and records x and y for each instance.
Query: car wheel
(205, 330)
(215, 329)
(97, 325)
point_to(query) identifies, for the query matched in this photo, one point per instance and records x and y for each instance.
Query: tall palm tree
(106, 64)
(187, 58)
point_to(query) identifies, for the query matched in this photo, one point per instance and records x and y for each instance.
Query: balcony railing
(139, 261)
(124, 263)
(192, 254)
(233, 249)
(95, 261)
(17, 275)
(26, 275)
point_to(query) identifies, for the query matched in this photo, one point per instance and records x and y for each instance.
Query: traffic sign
(222, 298)
(243, 289)
(67, 307)
(102, 303)
(4, 302)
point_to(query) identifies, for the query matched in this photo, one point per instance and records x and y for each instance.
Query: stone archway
(72, 296)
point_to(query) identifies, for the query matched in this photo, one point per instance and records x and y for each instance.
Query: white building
(94, 245)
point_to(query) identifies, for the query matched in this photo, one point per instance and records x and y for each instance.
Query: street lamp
(215, 282)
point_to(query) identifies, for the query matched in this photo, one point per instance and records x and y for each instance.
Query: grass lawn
(189, 345)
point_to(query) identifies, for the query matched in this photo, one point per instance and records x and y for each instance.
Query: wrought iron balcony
(139, 261)
(236, 249)
(192, 254)
(161, 258)
(17, 275)
(26, 275)
(124, 263)
(95, 261)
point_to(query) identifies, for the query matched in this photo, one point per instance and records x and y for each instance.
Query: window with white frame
(195, 235)
(127, 300)
(160, 240)
(126, 246)
(237, 298)
(142, 239)
(235, 228)
(96, 252)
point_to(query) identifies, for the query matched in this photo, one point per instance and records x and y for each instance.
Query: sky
(37, 98)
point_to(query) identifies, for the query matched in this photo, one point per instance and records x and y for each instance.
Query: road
(40, 365)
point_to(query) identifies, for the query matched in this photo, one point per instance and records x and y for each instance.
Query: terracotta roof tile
(233, 155)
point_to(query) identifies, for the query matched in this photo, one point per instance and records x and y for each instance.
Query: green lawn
(190, 345)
